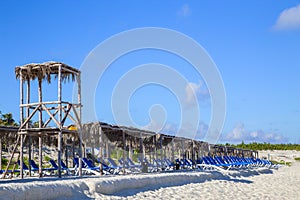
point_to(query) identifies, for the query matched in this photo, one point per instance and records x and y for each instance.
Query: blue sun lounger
(89, 168)
(130, 165)
(25, 168)
(113, 164)
(67, 170)
(34, 167)
(170, 164)
(86, 168)
(209, 162)
(9, 172)
(164, 164)
(151, 167)
(105, 167)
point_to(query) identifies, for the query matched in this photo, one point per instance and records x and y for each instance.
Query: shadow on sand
(238, 177)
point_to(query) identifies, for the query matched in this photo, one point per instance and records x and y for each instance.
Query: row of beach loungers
(110, 166)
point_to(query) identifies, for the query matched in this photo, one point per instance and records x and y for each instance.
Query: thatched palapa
(43, 71)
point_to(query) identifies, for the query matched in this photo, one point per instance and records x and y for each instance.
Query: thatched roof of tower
(46, 71)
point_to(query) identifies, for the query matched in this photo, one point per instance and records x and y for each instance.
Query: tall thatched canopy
(165, 139)
(114, 134)
(9, 134)
(44, 71)
(166, 145)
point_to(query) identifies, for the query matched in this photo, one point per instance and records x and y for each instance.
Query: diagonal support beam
(30, 116)
(50, 119)
(50, 114)
(66, 114)
(77, 118)
(71, 117)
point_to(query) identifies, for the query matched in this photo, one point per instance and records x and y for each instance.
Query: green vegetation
(135, 157)
(281, 162)
(7, 119)
(4, 161)
(116, 154)
(266, 146)
(297, 159)
(47, 158)
(25, 160)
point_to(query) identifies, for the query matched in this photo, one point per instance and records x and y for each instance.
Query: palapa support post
(27, 125)
(193, 152)
(93, 153)
(124, 149)
(0, 153)
(182, 150)
(21, 121)
(101, 147)
(155, 149)
(40, 93)
(199, 155)
(107, 149)
(59, 94)
(66, 154)
(144, 151)
(141, 148)
(161, 147)
(73, 152)
(79, 120)
(173, 150)
(29, 153)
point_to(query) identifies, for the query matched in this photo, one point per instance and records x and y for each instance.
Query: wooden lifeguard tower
(57, 112)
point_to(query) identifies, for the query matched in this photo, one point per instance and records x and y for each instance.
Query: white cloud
(184, 11)
(202, 130)
(191, 91)
(288, 19)
(195, 92)
(254, 134)
(239, 134)
(154, 126)
(160, 127)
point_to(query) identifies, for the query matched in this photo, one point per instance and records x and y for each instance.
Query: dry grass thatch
(8, 134)
(46, 71)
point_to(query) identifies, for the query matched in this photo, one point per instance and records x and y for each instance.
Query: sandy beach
(130, 100)
(255, 183)
(283, 183)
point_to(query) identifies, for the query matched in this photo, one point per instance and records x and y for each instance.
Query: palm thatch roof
(8, 134)
(8, 129)
(46, 71)
(113, 132)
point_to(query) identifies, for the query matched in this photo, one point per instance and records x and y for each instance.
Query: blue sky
(254, 44)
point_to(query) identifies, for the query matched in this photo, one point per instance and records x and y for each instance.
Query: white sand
(286, 156)
(244, 184)
(276, 184)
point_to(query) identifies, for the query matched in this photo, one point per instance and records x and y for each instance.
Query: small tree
(7, 120)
